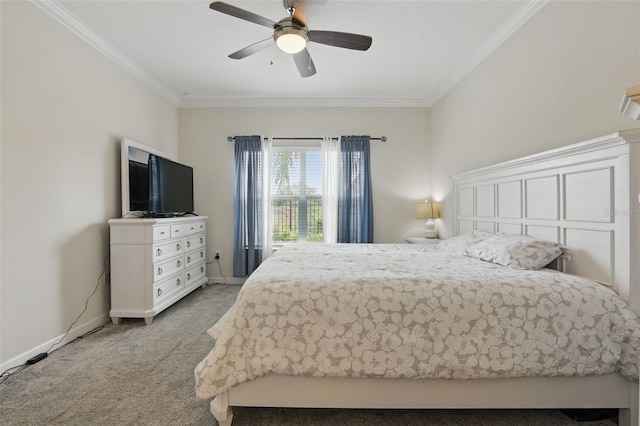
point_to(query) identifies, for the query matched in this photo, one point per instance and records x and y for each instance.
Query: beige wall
(64, 109)
(557, 81)
(400, 172)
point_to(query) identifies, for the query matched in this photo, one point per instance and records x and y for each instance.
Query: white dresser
(154, 263)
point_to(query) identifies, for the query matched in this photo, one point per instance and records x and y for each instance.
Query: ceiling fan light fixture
(291, 34)
(291, 38)
(291, 43)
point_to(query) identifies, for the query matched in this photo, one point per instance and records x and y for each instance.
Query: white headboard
(585, 196)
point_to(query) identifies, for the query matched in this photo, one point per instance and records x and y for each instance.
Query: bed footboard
(607, 391)
(631, 415)
(221, 410)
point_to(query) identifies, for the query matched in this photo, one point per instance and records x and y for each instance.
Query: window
(296, 194)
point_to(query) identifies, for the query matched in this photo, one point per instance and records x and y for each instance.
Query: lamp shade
(428, 210)
(631, 102)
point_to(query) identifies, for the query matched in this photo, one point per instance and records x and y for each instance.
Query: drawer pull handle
(178, 282)
(159, 271)
(188, 276)
(191, 228)
(178, 246)
(179, 264)
(188, 243)
(159, 252)
(201, 269)
(201, 241)
(201, 254)
(188, 259)
(161, 232)
(159, 292)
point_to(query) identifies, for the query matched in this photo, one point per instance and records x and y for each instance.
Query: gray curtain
(355, 202)
(247, 228)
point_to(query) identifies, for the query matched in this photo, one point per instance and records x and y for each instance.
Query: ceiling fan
(291, 34)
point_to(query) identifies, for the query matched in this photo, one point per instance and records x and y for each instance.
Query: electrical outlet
(217, 255)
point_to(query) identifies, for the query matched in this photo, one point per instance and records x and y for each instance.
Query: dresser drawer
(161, 233)
(194, 257)
(183, 229)
(194, 242)
(167, 250)
(169, 267)
(194, 274)
(167, 287)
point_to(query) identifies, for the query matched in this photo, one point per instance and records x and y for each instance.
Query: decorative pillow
(516, 251)
(460, 243)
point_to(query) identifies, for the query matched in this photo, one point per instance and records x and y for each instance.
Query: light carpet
(134, 374)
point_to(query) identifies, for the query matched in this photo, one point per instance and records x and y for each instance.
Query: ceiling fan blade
(338, 39)
(254, 48)
(306, 10)
(305, 64)
(242, 14)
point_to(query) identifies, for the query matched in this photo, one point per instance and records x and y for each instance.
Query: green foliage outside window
(296, 203)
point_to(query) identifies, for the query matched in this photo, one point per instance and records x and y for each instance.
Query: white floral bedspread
(412, 311)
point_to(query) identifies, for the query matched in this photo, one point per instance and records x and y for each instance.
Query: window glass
(296, 194)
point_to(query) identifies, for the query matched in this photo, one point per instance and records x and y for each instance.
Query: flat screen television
(170, 187)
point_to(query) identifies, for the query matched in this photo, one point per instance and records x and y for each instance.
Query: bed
(347, 325)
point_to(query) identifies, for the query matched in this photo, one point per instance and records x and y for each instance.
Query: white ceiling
(420, 48)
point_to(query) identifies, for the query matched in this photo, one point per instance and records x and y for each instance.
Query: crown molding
(499, 36)
(62, 15)
(86, 33)
(301, 102)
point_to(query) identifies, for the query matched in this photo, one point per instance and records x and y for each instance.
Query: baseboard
(222, 280)
(73, 335)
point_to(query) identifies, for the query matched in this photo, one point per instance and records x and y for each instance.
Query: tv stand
(168, 215)
(154, 263)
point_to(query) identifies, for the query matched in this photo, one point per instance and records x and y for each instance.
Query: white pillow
(460, 243)
(516, 251)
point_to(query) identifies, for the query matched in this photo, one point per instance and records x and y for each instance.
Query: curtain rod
(381, 138)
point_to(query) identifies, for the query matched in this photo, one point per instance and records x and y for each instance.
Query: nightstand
(422, 240)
